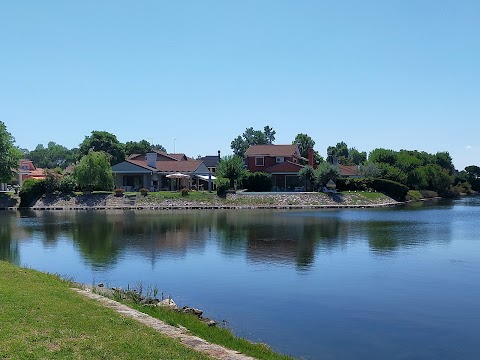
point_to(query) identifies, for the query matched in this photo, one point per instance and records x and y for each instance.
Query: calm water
(397, 283)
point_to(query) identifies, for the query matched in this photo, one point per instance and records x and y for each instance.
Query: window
(280, 159)
(259, 161)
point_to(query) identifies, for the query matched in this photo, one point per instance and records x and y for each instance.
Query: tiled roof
(272, 150)
(348, 170)
(210, 161)
(170, 166)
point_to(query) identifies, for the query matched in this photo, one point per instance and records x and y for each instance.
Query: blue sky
(392, 74)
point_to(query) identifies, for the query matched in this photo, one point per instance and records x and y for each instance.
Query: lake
(390, 283)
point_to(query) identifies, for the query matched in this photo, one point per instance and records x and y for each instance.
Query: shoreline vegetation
(202, 200)
(45, 316)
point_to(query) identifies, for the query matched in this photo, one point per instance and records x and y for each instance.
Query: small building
(27, 170)
(150, 171)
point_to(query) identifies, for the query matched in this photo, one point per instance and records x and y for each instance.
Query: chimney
(152, 160)
(310, 156)
(218, 155)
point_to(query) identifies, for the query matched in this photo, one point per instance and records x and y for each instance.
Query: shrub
(428, 194)
(355, 184)
(394, 189)
(144, 191)
(184, 191)
(31, 190)
(222, 186)
(258, 181)
(68, 184)
(119, 191)
(52, 181)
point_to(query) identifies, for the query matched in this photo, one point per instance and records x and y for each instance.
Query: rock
(168, 303)
(190, 310)
(210, 322)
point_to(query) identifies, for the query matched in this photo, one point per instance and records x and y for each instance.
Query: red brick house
(282, 161)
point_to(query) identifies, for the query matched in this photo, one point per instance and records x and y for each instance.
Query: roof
(179, 157)
(348, 170)
(169, 166)
(210, 160)
(273, 150)
(285, 167)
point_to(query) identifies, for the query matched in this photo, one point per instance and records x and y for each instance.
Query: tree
(308, 177)
(106, 142)
(304, 143)
(94, 172)
(369, 170)
(231, 167)
(52, 156)
(9, 155)
(380, 155)
(356, 156)
(473, 171)
(252, 137)
(324, 173)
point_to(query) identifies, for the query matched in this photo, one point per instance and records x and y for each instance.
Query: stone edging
(191, 341)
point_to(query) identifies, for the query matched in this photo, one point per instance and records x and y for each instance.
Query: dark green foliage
(68, 184)
(354, 184)
(52, 181)
(252, 137)
(383, 156)
(222, 186)
(308, 177)
(106, 142)
(141, 147)
(9, 155)
(258, 181)
(324, 173)
(94, 172)
(231, 167)
(31, 191)
(52, 156)
(391, 188)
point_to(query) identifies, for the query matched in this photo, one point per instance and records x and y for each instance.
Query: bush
(119, 191)
(68, 184)
(144, 191)
(31, 190)
(258, 181)
(222, 186)
(52, 181)
(354, 184)
(391, 188)
(184, 191)
(428, 194)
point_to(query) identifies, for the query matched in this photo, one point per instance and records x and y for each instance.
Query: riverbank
(44, 317)
(205, 200)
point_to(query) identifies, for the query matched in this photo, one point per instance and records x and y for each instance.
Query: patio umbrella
(178, 176)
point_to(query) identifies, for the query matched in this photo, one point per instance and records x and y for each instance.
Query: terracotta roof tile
(272, 150)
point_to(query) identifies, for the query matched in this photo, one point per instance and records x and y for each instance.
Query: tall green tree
(307, 177)
(324, 173)
(52, 156)
(141, 147)
(252, 137)
(357, 157)
(106, 142)
(94, 172)
(231, 167)
(304, 143)
(9, 155)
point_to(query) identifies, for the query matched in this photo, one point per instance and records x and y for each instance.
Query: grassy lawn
(41, 318)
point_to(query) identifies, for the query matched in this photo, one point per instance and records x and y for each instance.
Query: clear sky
(401, 74)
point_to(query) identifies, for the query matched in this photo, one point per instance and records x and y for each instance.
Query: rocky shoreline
(232, 201)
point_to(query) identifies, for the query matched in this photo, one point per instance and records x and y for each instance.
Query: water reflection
(9, 250)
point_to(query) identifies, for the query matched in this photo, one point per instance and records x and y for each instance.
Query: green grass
(42, 318)
(217, 335)
(414, 195)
